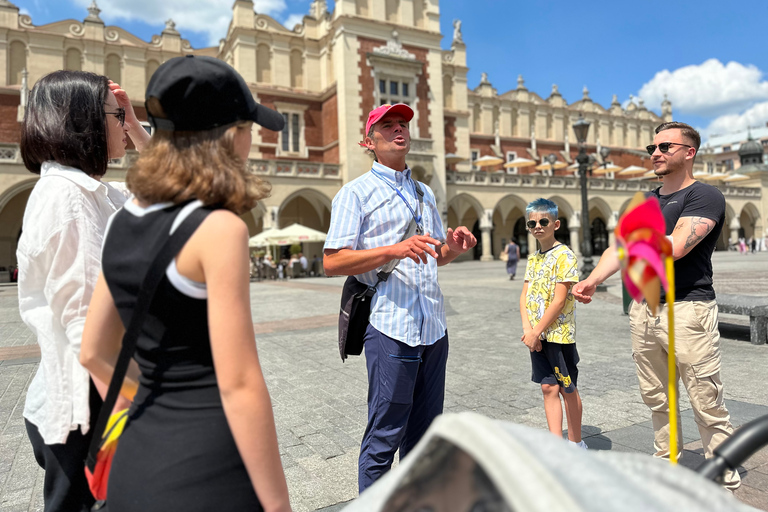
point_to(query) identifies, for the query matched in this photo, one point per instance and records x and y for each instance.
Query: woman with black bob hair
(74, 123)
(200, 435)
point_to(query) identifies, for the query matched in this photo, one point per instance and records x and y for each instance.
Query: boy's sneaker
(581, 444)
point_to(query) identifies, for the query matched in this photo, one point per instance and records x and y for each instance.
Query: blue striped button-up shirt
(368, 213)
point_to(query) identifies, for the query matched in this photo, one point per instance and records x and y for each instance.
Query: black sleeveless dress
(177, 451)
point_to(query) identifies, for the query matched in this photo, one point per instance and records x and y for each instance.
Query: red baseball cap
(376, 114)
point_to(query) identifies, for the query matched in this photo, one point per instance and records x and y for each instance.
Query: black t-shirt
(693, 272)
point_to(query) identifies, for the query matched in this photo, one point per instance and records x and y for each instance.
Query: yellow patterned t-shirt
(543, 272)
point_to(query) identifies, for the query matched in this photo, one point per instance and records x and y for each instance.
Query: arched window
(361, 7)
(112, 68)
(263, 64)
(297, 69)
(393, 11)
(17, 62)
(447, 91)
(150, 69)
(599, 237)
(73, 60)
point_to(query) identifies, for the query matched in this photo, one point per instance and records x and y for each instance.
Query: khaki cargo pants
(697, 347)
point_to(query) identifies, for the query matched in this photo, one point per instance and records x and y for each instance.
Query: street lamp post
(581, 129)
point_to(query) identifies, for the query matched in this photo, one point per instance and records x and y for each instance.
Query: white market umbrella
(519, 162)
(718, 176)
(262, 239)
(700, 175)
(487, 161)
(736, 177)
(546, 165)
(633, 170)
(452, 158)
(295, 234)
(606, 169)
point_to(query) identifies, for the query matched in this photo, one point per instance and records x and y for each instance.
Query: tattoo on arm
(700, 227)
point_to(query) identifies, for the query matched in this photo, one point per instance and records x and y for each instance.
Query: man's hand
(417, 248)
(531, 340)
(461, 240)
(583, 291)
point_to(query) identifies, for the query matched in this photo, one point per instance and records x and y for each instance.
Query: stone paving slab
(320, 402)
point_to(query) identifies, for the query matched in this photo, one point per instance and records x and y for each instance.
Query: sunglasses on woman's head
(663, 147)
(120, 115)
(542, 222)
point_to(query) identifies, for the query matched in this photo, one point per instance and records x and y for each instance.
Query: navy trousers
(406, 388)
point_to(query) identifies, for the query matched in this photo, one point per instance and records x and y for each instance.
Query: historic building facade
(324, 75)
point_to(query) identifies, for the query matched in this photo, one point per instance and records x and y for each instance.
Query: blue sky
(708, 56)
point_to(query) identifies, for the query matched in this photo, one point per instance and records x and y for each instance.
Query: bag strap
(152, 279)
(387, 269)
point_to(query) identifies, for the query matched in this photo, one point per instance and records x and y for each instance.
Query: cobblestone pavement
(320, 403)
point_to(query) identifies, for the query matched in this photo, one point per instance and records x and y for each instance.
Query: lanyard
(417, 218)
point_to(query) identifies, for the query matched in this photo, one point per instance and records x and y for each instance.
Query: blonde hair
(179, 166)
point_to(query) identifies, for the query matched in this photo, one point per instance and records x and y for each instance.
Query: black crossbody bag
(356, 299)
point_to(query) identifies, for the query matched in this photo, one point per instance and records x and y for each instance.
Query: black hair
(65, 121)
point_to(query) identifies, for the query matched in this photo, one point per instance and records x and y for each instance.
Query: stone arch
(465, 210)
(506, 221)
(17, 61)
(112, 68)
(309, 208)
(254, 219)
(263, 64)
(150, 69)
(748, 218)
(13, 202)
(463, 207)
(73, 60)
(599, 206)
(725, 239)
(297, 69)
(624, 206)
(295, 209)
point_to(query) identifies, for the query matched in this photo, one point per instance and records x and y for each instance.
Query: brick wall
(10, 129)
(450, 135)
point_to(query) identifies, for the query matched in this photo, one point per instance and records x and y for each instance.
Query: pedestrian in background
(513, 257)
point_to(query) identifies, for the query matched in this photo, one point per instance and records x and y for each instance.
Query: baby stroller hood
(469, 463)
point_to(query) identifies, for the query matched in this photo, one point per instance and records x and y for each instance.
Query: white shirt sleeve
(75, 256)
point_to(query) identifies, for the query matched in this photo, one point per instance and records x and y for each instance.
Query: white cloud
(708, 89)
(756, 115)
(292, 20)
(210, 17)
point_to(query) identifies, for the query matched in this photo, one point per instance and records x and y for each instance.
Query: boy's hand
(531, 340)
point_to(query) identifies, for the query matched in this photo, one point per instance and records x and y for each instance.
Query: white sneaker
(581, 444)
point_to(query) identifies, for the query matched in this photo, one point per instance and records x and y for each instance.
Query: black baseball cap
(201, 93)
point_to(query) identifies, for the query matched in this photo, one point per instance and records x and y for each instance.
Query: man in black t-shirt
(694, 214)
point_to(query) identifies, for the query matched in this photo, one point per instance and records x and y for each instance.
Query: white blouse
(59, 257)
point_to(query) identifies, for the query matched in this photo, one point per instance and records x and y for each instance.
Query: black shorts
(556, 364)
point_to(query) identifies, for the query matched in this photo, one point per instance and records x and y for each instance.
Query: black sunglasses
(663, 147)
(542, 222)
(120, 115)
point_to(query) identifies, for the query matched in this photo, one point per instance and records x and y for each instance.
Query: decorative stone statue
(457, 32)
(555, 91)
(483, 78)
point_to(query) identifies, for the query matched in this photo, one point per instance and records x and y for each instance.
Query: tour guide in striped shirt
(406, 344)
